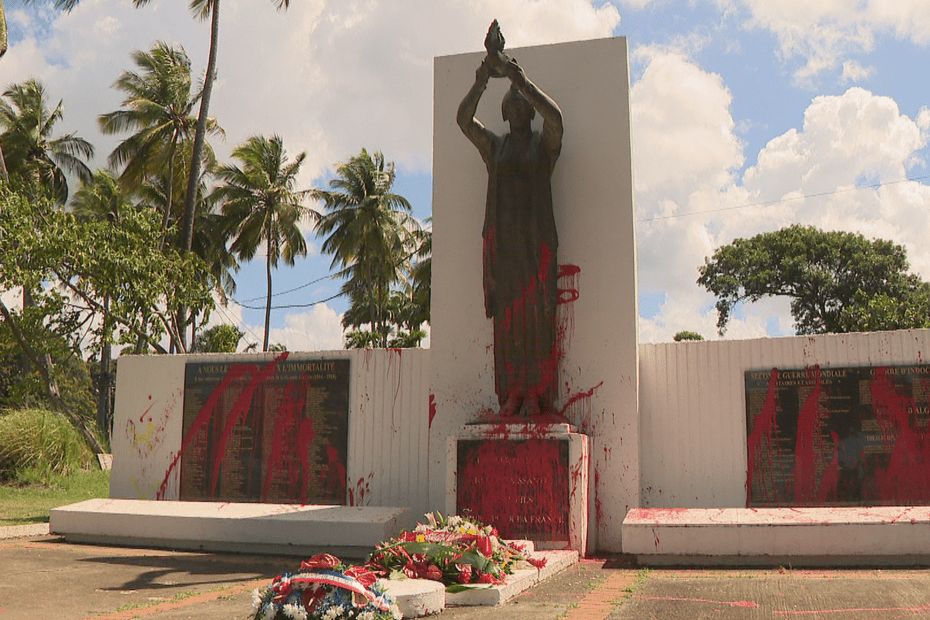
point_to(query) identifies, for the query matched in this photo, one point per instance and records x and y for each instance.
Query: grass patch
(39, 445)
(22, 504)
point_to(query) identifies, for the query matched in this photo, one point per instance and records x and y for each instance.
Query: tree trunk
(268, 293)
(190, 199)
(169, 193)
(103, 381)
(3, 41)
(4, 175)
(43, 364)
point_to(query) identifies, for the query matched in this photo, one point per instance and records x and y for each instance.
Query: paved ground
(43, 578)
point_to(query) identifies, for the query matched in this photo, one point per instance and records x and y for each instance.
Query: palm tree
(260, 204)
(157, 108)
(369, 231)
(33, 156)
(210, 238)
(202, 9)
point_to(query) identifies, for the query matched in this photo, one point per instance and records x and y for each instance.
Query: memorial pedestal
(528, 480)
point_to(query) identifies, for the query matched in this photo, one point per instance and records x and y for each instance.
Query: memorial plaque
(271, 432)
(518, 486)
(838, 436)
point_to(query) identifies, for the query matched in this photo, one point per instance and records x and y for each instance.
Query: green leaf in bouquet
(397, 575)
(475, 559)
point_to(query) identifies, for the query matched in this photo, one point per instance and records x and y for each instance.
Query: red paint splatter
(569, 294)
(204, 416)
(810, 420)
(682, 599)
(521, 487)
(432, 409)
(762, 430)
(335, 480)
(831, 475)
(849, 610)
(598, 507)
(906, 479)
(577, 407)
(360, 495)
(288, 425)
(146, 412)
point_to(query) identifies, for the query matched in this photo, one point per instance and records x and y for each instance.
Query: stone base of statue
(529, 479)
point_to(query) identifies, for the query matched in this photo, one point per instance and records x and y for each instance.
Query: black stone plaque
(518, 486)
(265, 432)
(838, 436)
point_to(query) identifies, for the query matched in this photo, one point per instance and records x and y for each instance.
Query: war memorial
(535, 410)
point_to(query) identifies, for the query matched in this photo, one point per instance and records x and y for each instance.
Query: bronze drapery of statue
(520, 242)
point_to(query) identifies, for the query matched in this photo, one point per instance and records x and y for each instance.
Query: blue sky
(743, 110)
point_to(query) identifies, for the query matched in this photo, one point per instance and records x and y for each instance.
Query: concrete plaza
(43, 577)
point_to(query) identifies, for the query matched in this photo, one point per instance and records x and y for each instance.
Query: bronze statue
(520, 240)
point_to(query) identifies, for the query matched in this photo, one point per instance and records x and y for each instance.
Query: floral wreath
(324, 589)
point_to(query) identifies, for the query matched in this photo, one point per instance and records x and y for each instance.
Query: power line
(232, 322)
(296, 288)
(781, 200)
(311, 304)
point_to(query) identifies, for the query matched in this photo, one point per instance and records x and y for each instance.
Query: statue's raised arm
(499, 64)
(520, 242)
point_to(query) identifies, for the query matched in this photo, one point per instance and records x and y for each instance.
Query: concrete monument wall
(387, 434)
(593, 205)
(693, 402)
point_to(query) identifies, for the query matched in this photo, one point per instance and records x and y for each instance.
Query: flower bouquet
(458, 551)
(324, 589)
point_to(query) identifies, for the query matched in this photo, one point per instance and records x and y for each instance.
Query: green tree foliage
(261, 205)
(687, 335)
(372, 237)
(157, 111)
(35, 160)
(222, 338)
(102, 200)
(401, 327)
(837, 281)
(74, 264)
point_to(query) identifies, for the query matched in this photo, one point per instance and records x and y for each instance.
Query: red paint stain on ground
(850, 610)
(682, 599)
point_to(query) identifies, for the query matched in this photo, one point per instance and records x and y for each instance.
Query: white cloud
(637, 4)
(855, 72)
(319, 329)
(330, 76)
(824, 34)
(686, 152)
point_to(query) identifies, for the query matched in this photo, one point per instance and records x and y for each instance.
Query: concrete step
(886, 535)
(520, 580)
(286, 529)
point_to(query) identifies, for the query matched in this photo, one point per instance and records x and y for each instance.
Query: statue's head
(516, 108)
